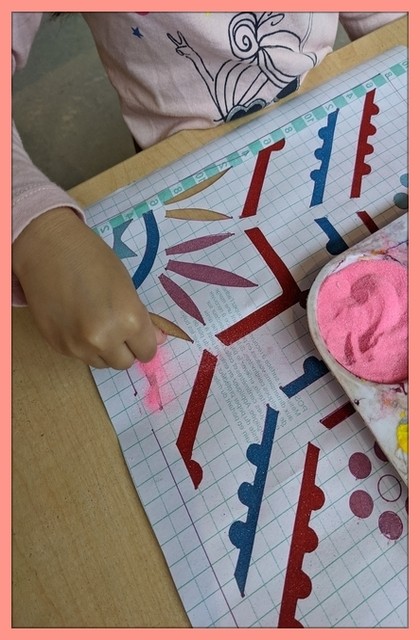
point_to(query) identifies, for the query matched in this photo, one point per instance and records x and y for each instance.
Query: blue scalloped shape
(242, 534)
(323, 153)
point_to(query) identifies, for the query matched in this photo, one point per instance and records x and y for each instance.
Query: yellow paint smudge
(402, 433)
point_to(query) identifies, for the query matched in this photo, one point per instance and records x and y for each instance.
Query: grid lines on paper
(192, 525)
(154, 200)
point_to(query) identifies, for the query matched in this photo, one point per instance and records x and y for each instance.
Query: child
(172, 71)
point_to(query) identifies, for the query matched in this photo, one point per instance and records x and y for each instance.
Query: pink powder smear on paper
(154, 373)
(362, 314)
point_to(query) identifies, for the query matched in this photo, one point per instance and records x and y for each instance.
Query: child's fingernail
(160, 336)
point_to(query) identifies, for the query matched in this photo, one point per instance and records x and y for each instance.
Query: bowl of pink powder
(362, 318)
(358, 318)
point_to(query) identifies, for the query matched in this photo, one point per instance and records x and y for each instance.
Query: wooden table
(84, 554)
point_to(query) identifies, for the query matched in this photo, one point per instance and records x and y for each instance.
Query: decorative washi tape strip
(252, 149)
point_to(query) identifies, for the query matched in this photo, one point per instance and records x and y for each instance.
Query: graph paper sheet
(271, 500)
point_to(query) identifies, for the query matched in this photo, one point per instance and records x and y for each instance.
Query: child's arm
(79, 292)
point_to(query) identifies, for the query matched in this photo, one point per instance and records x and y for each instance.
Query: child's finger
(160, 336)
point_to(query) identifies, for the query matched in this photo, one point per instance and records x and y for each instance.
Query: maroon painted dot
(360, 465)
(379, 453)
(389, 488)
(361, 504)
(390, 525)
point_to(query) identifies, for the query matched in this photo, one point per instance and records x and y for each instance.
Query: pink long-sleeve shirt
(175, 71)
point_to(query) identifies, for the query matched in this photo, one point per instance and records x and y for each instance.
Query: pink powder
(362, 316)
(153, 372)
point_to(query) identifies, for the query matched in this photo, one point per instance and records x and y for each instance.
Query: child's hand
(80, 294)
